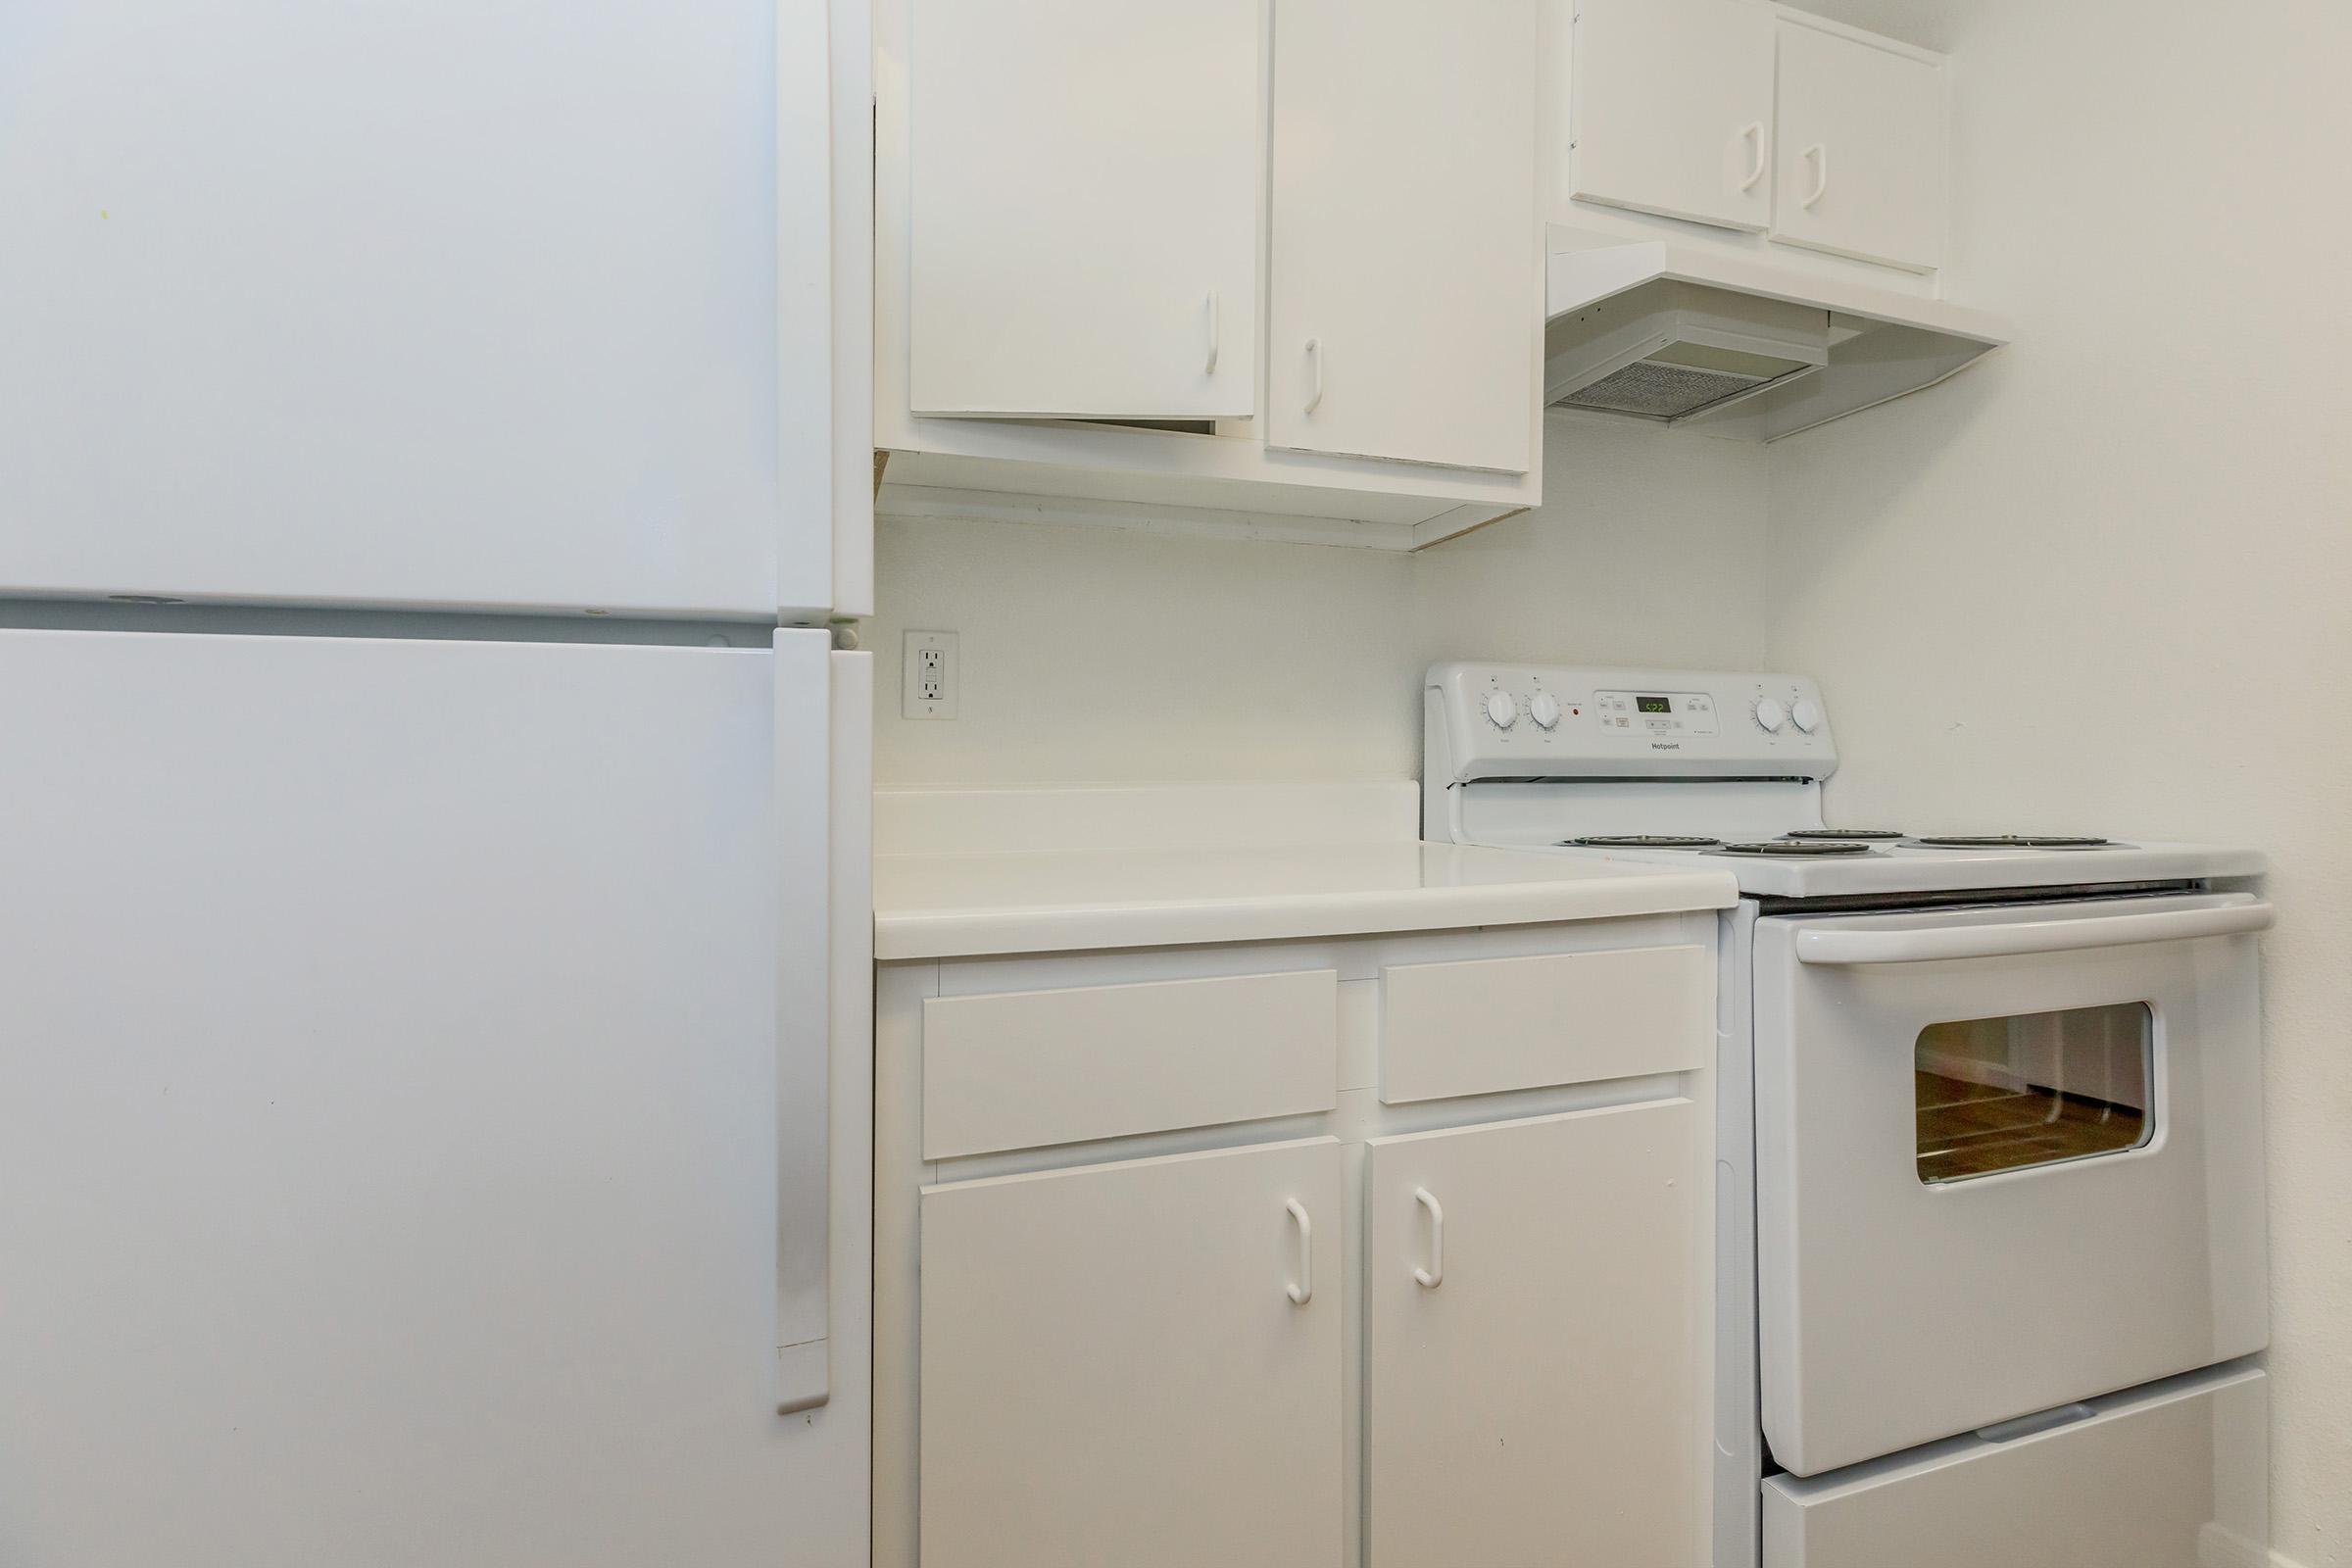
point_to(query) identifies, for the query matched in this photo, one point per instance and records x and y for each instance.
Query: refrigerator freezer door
(388, 1151)
(437, 303)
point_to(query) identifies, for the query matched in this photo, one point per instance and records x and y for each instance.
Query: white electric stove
(1990, 1222)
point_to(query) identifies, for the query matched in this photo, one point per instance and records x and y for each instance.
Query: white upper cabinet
(1106, 232)
(1750, 117)
(1670, 109)
(1860, 158)
(1084, 208)
(428, 304)
(1406, 282)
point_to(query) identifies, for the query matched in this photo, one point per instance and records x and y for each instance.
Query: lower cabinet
(1393, 1251)
(1534, 1343)
(1136, 1364)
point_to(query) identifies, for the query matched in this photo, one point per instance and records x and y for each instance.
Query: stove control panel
(1657, 713)
(1536, 721)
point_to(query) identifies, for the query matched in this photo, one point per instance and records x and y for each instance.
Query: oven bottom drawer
(2173, 1475)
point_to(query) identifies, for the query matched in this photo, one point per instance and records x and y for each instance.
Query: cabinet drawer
(1028, 1068)
(1491, 1025)
(2169, 1476)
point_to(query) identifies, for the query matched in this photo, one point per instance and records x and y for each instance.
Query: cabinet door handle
(1430, 1278)
(1305, 1290)
(1210, 368)
(1819, 156)
(1754, 135)
(1314, 360)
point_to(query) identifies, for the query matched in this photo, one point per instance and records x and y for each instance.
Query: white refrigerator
(434, 930)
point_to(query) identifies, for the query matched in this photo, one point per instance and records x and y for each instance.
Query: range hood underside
(1678, 334)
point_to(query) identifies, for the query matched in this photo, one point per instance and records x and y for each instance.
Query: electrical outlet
(929, 675)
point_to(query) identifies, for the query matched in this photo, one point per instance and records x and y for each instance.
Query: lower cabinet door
(2173, 1475)
(1136, 1364)
(1536, 1359)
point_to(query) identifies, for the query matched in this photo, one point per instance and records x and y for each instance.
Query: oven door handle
(2234, 917)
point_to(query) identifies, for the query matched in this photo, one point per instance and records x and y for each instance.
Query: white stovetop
(966, 873)
(1903, 868)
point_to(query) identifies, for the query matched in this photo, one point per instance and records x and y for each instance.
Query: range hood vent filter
(1657, 388)
(1669, 350)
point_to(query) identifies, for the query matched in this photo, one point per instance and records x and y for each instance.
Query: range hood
(1689, 336)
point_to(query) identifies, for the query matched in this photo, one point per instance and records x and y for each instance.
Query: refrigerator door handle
(823, 977)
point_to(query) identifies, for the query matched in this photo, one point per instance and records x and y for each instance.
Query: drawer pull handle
(2027, 1426)
(1211, 368)
(1430, 1278)
(1305, 1290)
(1314, 355)
(1754, 135)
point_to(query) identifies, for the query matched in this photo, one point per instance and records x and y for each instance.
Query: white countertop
(939, 905)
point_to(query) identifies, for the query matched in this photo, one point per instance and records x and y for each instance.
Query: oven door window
(2036, 1089)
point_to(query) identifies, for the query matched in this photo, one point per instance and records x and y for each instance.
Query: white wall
(1649, 550)
(2105, 581)
(1105, 654)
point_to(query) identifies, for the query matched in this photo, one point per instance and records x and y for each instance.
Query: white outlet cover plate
(930, 673)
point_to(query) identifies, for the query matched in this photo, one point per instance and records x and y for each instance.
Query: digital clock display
(1654, 704)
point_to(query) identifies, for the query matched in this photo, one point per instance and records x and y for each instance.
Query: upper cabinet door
(430, 303)
(1860, 161)
(1406, 292)
(1084, 208)
(1670, 109)
(1536, 1353)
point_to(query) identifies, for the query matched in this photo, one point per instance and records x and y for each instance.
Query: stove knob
(1769, 714)
(1544, 709)
(1502, 712)
(1806, 714)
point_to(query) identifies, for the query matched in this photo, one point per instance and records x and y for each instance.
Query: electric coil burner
(2010, 841)
(1642, 841)
(1794, 847)
(1846, 835)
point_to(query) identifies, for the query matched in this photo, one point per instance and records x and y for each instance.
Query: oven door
(2007, 1158)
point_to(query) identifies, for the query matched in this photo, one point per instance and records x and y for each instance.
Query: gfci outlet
(928, 677)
